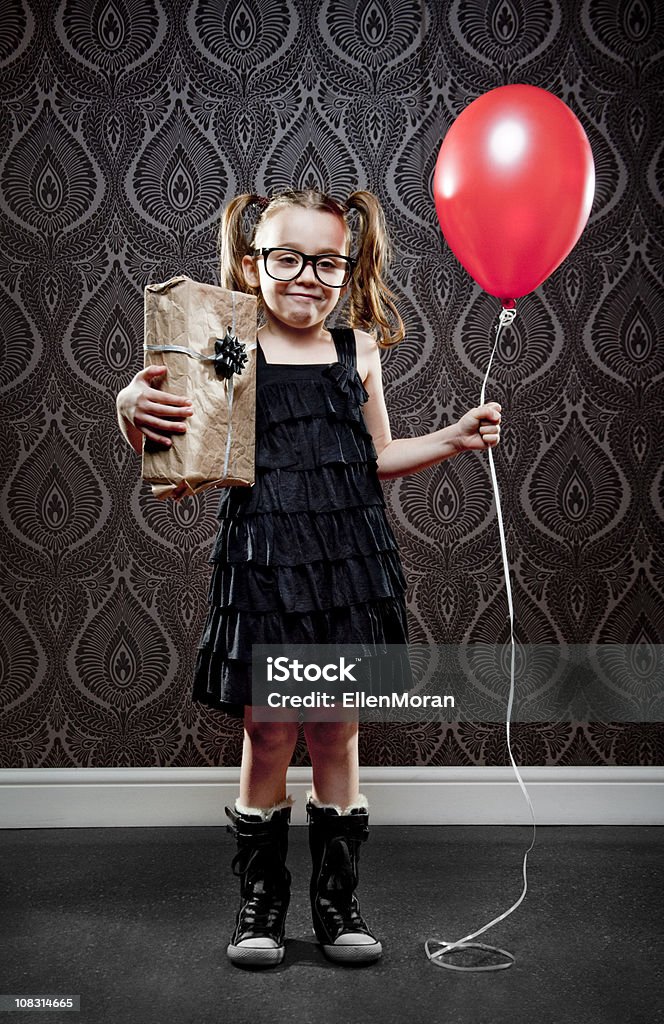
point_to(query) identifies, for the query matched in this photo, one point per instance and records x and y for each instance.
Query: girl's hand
(479, 428)
(145, 407)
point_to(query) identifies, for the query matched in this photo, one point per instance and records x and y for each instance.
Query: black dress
(306, 555)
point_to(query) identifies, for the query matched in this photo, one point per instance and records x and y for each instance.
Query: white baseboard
(156, 797)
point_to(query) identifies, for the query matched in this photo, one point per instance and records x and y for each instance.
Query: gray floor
(136, 921)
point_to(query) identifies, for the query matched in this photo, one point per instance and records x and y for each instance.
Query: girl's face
(304, 302)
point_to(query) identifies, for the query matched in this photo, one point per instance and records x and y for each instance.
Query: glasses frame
(307, 257)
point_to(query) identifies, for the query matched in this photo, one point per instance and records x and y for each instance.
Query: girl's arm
(477, 430)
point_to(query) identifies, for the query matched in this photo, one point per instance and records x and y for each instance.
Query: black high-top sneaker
(260, 863)
(334, 841)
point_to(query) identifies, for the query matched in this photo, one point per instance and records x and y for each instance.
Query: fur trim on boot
(360, 804)
(265, 813)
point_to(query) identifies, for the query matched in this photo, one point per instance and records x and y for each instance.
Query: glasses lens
(283, 264)
(333, 270)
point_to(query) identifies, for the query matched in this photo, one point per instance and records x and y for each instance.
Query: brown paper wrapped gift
(206, 337)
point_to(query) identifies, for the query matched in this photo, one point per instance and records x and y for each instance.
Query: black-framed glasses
(281, 264)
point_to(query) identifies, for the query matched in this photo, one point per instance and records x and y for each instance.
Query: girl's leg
(260, 823)
(266, 754)
(333, 747)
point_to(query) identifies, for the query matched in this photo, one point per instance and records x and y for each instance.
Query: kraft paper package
(206, 338)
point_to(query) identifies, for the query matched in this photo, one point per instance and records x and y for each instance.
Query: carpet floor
(136, 921)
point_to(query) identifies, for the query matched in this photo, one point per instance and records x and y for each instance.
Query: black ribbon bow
(348, 381)
(230, 355)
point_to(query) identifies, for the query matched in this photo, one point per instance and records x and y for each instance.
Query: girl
(306, 555)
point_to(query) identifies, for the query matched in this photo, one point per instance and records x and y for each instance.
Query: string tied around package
(506, 317)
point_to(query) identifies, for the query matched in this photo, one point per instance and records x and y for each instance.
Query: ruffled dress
(305, 555)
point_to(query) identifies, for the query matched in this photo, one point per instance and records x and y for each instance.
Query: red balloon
(514, 183)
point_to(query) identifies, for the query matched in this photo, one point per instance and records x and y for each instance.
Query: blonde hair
(371, 303)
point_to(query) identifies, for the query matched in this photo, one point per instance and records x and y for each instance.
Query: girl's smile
(304, 295)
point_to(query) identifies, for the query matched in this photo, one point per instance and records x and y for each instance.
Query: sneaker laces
(336, 898)
(266, 883)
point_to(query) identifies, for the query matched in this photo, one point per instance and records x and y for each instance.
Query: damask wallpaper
(125, 125)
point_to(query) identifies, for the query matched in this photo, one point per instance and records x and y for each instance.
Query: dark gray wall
(124, 127)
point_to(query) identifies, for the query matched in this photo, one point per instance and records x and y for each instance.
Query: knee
(330, 734)
(272, 737)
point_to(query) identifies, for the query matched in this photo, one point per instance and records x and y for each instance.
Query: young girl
(306, 555)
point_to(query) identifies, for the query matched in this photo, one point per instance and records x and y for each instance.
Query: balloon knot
(506, 317)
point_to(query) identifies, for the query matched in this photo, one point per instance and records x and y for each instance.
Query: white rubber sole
(252, 956)
(363, 953)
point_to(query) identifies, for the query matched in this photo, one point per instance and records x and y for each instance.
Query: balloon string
(506, 317)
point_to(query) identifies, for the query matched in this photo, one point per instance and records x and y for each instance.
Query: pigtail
(233, 241)
(371, 302)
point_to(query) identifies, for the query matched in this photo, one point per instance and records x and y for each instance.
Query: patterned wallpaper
(124, 127)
